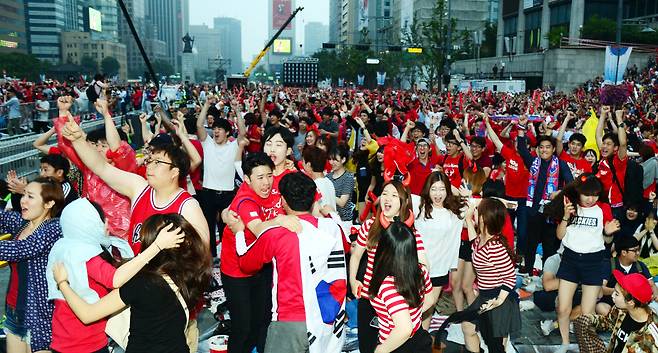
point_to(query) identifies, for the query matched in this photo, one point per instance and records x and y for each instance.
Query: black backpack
(633, 191)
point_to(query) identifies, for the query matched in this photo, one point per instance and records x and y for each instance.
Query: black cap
(626, 242)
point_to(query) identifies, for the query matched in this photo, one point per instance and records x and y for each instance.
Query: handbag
(118, 325)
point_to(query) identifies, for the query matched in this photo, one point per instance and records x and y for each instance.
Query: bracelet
(157, 246)
(565, 220)
(62, 281)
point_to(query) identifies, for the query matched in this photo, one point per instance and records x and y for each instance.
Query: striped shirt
(362, 241)
(389, 302)
(493, 266)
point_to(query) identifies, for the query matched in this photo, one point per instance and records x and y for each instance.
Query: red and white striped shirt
(493, 266)
(362, 241)
(389, 302)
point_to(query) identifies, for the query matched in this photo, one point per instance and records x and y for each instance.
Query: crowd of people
(313, 200)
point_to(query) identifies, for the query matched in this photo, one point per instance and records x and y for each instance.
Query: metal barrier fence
(18, 154)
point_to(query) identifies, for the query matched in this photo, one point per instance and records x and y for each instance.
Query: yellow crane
(262, 53)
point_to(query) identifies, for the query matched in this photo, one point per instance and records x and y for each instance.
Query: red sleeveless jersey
(144, 207)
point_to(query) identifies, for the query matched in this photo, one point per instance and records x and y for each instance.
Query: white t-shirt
(43, 104)
(441, 235)
(327, 191)
(585, 233)
(552, 264)
(218, 164)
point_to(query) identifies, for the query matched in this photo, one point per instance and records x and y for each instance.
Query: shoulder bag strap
(174, 288)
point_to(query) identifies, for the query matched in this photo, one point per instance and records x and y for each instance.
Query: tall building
(44, 21)
(170, 18)
(76, 45)
(315, 33)
(206, 45)
(136, 9)
(286, 45)
(525, 24)
(380, 23)
(349, 21)
(335, 7)
(109, 19)
(230, 42)
(12, 27)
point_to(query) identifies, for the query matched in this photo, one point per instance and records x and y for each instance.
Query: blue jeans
(521, 216)
(15, 323)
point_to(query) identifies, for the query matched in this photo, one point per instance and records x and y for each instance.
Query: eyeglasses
(635, 250)
(158, 161)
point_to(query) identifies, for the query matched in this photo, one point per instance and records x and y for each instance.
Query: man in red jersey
(246, 293)
(574, 154)
(455, 160)
(165, 169)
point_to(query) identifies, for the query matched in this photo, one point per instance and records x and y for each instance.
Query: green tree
(163, 68)
(489, 35)
(434, 36)
(23, 65)
(555, 35)
(605, 29)
(110, 66)
(89, 65)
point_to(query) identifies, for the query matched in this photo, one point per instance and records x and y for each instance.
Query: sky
(253, 15)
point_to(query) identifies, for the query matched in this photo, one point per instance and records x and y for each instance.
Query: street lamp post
(620, 9)
(448, 45)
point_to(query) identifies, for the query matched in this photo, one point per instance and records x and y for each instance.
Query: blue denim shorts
(15, 323)
(582, 269)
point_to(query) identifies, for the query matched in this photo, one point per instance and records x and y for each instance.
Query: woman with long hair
(586, 225)
(462, 280)
(86, 251)
(496, 308)
(33, 231)
(343, 182)
(438, 220)
(400, 291)
(395, 201)
(158, 318)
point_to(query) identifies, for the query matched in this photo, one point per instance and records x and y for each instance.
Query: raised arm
(463, 145)
(200, 130)
(621, 132)
(111, 133)
(560, 133)
(125, 183)
(599, 127)
(41, 143)
(195, 157)
(492, 134)
(147, 135)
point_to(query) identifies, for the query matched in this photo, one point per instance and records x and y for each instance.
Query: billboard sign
(281, 10)
(95, 22)
(282, 46)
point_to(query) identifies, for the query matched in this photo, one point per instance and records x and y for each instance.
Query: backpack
(633, 192)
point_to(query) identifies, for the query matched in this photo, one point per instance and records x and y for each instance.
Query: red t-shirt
(12, 292)
(249, 206)
(615, 195)
(419, 173)
(253, 132)
(70, 335)
(451, 168)
(197, 174)
(577, 166)
(516, 174)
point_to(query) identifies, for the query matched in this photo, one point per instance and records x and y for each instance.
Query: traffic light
(328, 46)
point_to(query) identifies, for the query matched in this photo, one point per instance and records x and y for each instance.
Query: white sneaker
(526, 305)
(547, 326)
(571, 329)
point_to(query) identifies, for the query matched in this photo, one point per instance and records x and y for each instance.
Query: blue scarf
(551, 185)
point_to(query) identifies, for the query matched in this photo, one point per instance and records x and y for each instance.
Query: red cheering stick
(371, 199)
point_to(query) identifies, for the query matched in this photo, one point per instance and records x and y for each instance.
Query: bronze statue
(188, 43)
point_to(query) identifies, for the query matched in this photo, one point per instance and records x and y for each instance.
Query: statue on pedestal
(188, 43)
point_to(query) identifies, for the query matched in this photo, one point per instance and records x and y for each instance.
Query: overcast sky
(253, 15)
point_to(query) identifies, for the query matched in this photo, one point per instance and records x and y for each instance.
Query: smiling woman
(33, 233)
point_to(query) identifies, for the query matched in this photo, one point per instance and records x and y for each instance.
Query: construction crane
(262, 53)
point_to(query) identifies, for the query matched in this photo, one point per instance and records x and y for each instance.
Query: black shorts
(582, 269)
(466, 251)
(440, 281)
